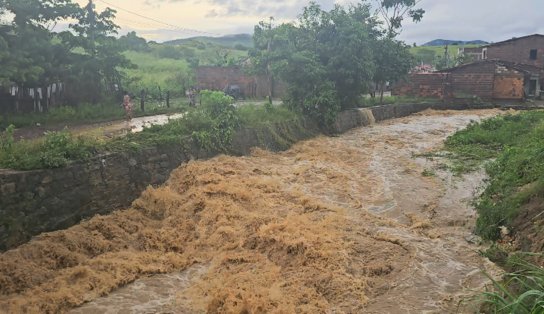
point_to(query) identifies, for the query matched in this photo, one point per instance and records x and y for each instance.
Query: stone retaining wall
(32, 202)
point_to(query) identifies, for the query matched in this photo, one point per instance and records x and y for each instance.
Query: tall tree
(95, 70)
(326, 59)
(32, 57)
(394, 12)
(393, 61)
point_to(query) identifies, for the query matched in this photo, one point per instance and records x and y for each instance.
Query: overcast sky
(490, 20)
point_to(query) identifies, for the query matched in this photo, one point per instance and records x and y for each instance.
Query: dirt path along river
(352, 224)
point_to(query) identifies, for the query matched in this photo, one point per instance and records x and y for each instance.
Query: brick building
(486, 79)
(511, 69)
(524, 50)
(251, 86)
(474, 53)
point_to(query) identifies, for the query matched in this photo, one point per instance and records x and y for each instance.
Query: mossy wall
(32, 202)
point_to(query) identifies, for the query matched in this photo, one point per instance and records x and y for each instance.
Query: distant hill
(230, 41)
(443, 42)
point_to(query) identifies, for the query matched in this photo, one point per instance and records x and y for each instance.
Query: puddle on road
(344, 224)
(137, 124)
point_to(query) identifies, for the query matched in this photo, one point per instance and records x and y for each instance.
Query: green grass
(153, 72)
(210, 125)
(521, 290)
(54, 150)
(252, 115)
(515, 146)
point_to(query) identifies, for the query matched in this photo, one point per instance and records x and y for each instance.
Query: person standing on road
(127, 105)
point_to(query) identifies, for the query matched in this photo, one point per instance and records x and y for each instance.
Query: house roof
(513, 39)
(525, 68)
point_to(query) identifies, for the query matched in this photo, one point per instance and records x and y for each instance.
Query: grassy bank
(88, 113)
(210, 125)
(516, 143)
(511, 206)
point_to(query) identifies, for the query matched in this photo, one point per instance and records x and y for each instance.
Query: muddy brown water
(350, 224)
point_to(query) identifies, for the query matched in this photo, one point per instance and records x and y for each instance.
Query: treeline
(328, 59)
(83, 61)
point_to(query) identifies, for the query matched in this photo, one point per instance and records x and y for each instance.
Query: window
(532, 55)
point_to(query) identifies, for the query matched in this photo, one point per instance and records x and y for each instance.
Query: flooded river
(350, 224)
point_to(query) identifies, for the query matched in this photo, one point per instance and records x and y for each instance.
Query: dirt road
(100, 129)
(353, 224)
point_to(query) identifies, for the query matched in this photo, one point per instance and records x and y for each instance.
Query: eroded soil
(350, 224)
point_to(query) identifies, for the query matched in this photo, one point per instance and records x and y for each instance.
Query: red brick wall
(473, 80)
(217, 78)
(421, 85)
(518, 51)
(487, 80)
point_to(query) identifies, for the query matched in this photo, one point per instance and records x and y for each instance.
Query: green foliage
(252, 115)
(521, 290)
(393, 62)
(153, 73)
(131, 41)
(224, 121)
(326, 59)
(6, 139)
(515, 176)
(60, 147)
(55, 150)
(87, 56)
(394, 12)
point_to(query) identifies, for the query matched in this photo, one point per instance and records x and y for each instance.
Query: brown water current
(348, 224)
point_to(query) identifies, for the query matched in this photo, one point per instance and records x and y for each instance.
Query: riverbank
(347, 223)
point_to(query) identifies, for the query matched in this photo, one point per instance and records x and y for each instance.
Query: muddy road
(350, 224)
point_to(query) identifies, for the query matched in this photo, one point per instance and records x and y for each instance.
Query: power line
(183, 29)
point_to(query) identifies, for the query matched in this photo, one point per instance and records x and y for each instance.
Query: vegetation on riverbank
(510, 208)
(516, 143)
(211, 126)
(88, 113)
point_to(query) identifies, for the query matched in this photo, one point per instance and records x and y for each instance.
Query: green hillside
(432, 54)
(238, 41)
(163, 67)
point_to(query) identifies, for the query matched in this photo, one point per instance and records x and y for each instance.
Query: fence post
(167, 99)
(142, 100)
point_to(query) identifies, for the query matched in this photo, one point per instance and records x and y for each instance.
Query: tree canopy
(33, 55)
(328, 59)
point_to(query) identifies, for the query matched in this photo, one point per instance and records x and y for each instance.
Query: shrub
(224, 121)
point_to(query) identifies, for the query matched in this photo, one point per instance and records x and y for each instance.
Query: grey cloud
(489, 20)
(285, 9)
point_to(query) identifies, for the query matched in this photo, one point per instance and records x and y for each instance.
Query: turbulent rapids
(335, 224)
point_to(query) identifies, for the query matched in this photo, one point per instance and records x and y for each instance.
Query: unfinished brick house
(486, 79)
(512, 69)
(474, 53)
(524, 50)
(251, 86)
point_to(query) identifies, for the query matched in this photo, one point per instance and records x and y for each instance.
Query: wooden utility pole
(268, 71)
(142, 100)
(92, 23)
(447, 56)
